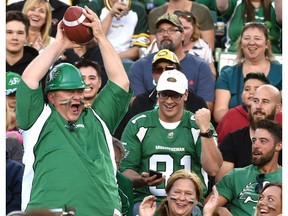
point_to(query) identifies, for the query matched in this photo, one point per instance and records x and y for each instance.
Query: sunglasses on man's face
(159, 70)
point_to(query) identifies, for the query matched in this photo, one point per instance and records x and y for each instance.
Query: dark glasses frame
(160, 70)
(164, 96)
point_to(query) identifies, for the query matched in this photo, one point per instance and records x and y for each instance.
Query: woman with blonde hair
(254, 55)
(40, 16)
(184, 192)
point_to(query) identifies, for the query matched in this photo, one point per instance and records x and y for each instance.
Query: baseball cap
(165, 54)
(173, 80)
(172, 18)
(12, 81)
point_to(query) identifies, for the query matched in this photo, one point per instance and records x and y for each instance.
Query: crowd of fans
(140, 121)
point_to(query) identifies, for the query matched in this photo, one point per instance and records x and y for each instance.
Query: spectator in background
(254, 54)
(238, 13)
(200, 11)
(236, 146)
(192, 42)
(170, 36)
(167, 139)
(12, 81)
(14, 148)
(91, 73)
(14, 175)
(239, 189)
(18, 56)
(239, 114)
(40, 16)
(184, 191)
(58, 9)
(125, 24)
(14, 171)
(162, 61)
(270, 200)
(125, 185)
(88, 51)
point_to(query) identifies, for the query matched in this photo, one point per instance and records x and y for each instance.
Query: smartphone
(153, 172)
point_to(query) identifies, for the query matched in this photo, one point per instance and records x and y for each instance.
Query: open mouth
(75, 108)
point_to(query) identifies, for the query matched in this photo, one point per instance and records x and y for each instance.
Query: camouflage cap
(172, 18)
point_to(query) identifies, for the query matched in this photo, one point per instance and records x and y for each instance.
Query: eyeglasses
(260, 180)
(165, 96)
(169, 31)
(159, 70)
(183, 13)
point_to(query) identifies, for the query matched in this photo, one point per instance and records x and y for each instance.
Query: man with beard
(236, 146)
(239, 189)
(169, 35)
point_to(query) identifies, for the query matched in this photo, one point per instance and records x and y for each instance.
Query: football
(73, 27)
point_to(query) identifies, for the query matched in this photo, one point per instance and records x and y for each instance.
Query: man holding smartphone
(167, 139)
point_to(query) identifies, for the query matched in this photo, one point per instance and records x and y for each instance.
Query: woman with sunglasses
(193, 43)
(254, 55)
(270, 200)
(237, 13)
(184, 192)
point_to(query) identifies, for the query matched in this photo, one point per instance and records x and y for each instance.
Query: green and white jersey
(238, 187)
(70, 167)
(149, 145)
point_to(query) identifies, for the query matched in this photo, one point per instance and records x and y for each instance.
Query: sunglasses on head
(260, 180)
(183, 13)
(160, 70)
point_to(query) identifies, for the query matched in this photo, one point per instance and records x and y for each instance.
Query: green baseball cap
(172, 18)
(12, 81)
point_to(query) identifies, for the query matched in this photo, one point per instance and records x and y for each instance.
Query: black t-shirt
(236, 147)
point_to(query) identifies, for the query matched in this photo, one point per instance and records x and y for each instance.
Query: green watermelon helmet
(64, 76)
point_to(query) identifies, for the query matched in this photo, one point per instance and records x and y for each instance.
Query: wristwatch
(208, 134)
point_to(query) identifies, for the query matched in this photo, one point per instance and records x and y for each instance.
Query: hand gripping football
(73, 27)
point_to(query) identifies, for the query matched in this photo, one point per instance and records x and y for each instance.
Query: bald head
(269, 92)
(266, 104)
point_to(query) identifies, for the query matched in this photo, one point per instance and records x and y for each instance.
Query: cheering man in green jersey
(69, 156)
(167, 139)
(239, 189)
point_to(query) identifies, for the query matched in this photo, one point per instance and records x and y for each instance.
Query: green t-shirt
(238, 187)
(149, 145)
(65, 167)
